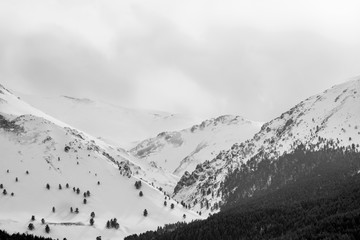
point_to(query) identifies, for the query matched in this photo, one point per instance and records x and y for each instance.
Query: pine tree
(31, 226)
(85, 201)
(53, 209)
(141, 194)
(4, 192)
(67, 185)
(16, 179)
(32, 218)
(88, 193)
(184, 216)
(172, 206)
(76, 210)
(145, 213)
(1, 186)
(71, 209)
(108, 224)
(137, 184)
(115, 224)
(98, 182)
(92, 215)
(48, 186)
(112, 223)
(47, 229)
(43, 221)
(92, 221)
(60, 187)
(78, 191)
(165, 203)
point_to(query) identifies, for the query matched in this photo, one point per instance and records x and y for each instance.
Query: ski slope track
(37, 150)
(331, 115)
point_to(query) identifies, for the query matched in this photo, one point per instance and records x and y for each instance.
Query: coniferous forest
(17, 236)
(321, 202)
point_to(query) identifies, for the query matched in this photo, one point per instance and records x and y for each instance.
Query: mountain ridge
(50, 169)
(332, 115)
(181, 151)
(115, 124)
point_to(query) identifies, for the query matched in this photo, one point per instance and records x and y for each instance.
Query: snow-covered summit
(181, 151)
(333, 115)
(14, 106)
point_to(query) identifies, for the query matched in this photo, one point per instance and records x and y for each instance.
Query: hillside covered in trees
(17, 236)
(321, 204)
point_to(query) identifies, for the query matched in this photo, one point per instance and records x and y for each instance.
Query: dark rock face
(10, 126)
(186, 180)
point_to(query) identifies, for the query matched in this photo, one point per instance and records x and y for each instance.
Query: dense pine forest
(261, 175)
(316, 196)
(17, 236)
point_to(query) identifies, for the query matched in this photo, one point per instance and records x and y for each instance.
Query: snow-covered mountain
(48, 167)
(116, 125)
(181, 151)
(324, 120)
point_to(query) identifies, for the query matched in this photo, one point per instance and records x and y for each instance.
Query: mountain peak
(223, 120)
(181, 151)
(330, 117)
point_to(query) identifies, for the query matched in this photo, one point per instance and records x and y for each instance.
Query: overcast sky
(255, 58)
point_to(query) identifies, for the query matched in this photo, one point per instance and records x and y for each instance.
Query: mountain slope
(182, 151)
(116, 125)
(322, 205)
(329, 118)
(37, 150)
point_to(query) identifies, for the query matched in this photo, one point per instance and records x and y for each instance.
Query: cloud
(53, 62)
(173, 90)
(252, 58)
